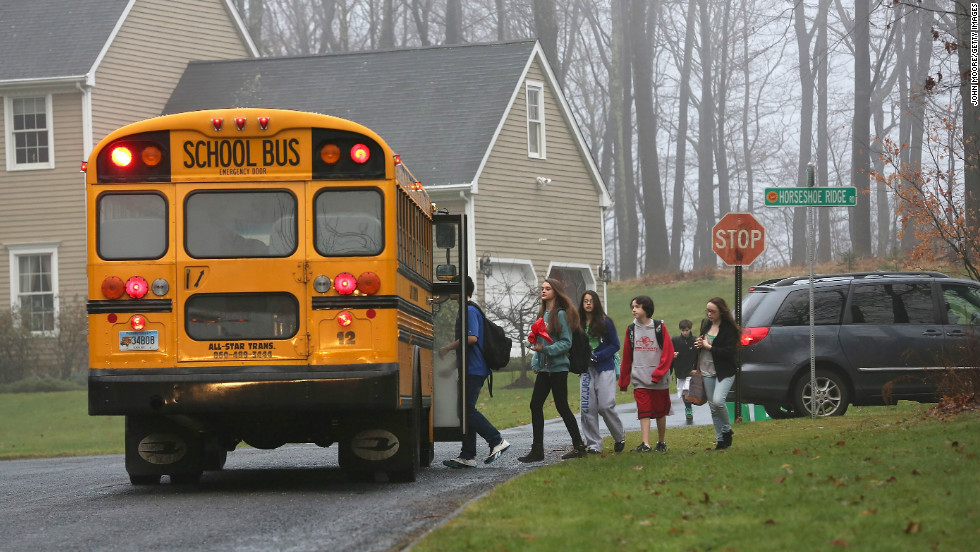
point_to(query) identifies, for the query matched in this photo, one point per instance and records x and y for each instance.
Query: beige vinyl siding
(566, 211)
(47, 205)
(150, 52)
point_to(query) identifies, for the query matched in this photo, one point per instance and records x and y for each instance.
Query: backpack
(496, 344)
(658, 326)
(580, 355)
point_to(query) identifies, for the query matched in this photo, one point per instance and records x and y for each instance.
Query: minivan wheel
(831, 394)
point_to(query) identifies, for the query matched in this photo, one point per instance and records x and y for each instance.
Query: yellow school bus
(268, 277)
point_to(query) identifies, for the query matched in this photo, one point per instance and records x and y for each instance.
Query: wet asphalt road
(293, 498)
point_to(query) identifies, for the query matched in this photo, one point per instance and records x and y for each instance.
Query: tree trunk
(619, 119)
(704, 257)
(420, 15)
(721, 155)
(655, 225)
(677, 226)
(454, 22)
(860, 215)
(501, 21)
(803, 37)
(546, 27)
(823, 252)
(387, 39)
(971, 127)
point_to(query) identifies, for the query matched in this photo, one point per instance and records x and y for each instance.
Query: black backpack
(658, 326)
(580, 355)
(496, 344)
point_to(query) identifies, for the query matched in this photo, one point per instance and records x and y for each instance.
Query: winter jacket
(603, 354)
(554, 356)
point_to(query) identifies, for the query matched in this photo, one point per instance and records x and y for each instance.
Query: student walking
(720, 339)
(598, 383)
(685, 360)
(550, 364)
(647, 355)
(476, 374)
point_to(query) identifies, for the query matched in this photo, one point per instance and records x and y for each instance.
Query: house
(484, 127)
(72, 71)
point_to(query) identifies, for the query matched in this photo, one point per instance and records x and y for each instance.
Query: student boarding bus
(266, 277)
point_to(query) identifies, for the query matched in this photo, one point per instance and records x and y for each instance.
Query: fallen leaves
(913, 527)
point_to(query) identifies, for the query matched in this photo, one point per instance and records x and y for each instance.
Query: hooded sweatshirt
(645, 364)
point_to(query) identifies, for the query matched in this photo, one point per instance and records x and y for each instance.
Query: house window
(535, 119)
(29, 137)
(33, 286)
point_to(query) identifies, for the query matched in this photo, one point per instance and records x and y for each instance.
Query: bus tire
(144, 479)
(427, 449)
(414, 424)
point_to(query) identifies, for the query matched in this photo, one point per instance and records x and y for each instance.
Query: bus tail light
(751, 336)
(345, 318)
(368, 283)
(136, 287)
(113, 287)
(345, 283)
(360, 154)
(137, 322)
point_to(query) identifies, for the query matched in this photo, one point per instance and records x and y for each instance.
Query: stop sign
(738, 239)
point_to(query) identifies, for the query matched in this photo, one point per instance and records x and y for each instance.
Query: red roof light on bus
(240, 123)
(121, 156)
(263, 123)
(360, 154)
(398, 159)
(216, 123)
(345, 283)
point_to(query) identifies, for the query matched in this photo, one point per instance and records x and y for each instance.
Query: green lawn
(879, 478)
(55, 424)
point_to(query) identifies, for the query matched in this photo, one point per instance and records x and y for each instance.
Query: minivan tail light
(751, 336)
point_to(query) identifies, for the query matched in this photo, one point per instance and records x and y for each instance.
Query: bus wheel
(414, 436)
(157, 446)
(427, 449)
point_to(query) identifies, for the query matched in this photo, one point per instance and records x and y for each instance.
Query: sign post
(738, 239)
(809, 197)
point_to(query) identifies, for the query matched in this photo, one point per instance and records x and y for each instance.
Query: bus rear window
(349, 223)
(219, 316)
(238, 224)
(132, 226)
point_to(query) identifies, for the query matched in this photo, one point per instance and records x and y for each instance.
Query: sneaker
(727, 438)
(643, 448)
(457, 463)
(594, 451)
(661, 447)
(689, 414)
(619, 446)
(496, 451)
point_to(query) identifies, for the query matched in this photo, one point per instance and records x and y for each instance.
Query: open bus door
(448, 306)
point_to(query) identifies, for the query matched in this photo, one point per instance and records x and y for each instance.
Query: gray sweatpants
(598, 395)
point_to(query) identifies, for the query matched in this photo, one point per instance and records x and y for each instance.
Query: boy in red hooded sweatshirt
(647, 354)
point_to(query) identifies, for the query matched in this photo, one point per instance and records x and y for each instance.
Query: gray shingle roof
(54, 38)
(437, 107)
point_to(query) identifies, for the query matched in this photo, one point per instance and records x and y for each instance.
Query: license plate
(139, 341)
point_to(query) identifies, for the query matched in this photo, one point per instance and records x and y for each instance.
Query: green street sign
(842, 196)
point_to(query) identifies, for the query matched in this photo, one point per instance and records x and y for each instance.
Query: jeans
(717, 391)
(476, 423)
(598, 390)
(555, 383)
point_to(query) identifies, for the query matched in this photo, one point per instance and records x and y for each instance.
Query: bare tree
(454, 22)
(514, 306)
(703, 255)
(860, 227)
(71, 342)
(803, 39)
(677, 227)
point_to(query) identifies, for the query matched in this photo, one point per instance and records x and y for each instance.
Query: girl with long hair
(598, 383)
(550, 363)
(719, 336)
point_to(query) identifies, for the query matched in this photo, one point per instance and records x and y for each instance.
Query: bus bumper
(281, 388)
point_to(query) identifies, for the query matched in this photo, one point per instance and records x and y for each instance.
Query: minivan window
(892, 303)
(962, 304)
(795, 310)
